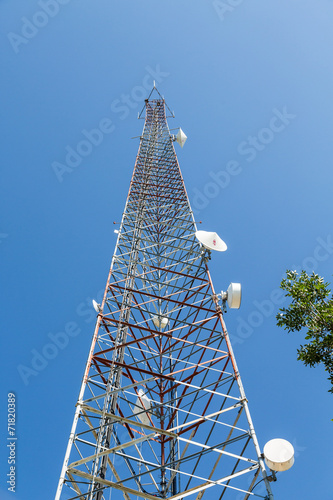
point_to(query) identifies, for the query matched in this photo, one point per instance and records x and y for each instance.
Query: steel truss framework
(162, 411)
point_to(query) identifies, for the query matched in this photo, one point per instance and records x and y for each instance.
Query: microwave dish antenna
(96, 306)
(211, 241)
(233, 295)
(160, 322)
(279, 455)
(181, 138)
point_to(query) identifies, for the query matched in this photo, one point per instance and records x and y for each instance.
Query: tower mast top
(155, 99)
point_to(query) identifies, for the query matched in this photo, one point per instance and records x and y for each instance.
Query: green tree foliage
(311, 309)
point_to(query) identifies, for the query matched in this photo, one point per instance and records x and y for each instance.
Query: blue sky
(251, 84)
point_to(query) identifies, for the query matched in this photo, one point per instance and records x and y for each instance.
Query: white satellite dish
(116, 231)
(212, 241)
(142, 406)
(279, 455)
(181, 138)
(160, 322)
(96, 306)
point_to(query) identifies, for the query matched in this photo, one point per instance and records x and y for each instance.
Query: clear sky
(251, 84)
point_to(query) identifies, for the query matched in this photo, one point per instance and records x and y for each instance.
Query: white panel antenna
(142, 406)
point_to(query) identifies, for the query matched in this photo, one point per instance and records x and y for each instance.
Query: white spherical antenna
(234, 295)
(279, 455)
(160, 322)
(181, 138)
(212, 241)
(96, 306)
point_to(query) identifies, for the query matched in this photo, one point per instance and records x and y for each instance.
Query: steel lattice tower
(162, 410)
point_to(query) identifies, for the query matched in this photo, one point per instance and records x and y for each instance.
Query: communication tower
(162, 412)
